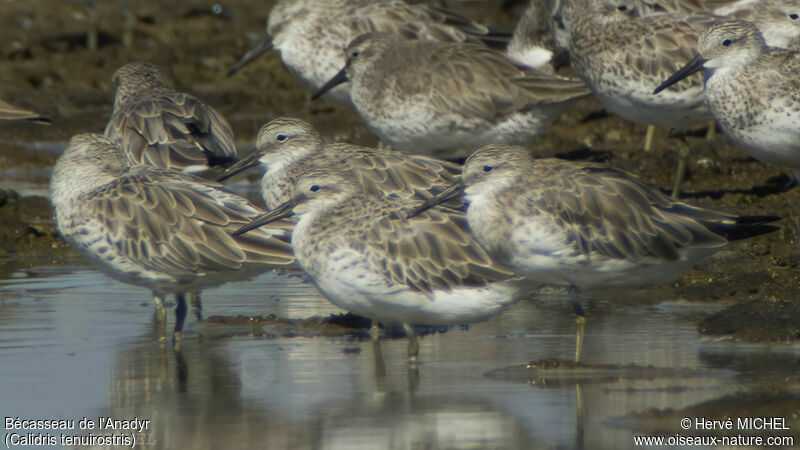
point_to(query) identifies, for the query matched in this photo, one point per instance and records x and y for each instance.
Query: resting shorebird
(366, 257)
(158, 228)
(447, 99)
(157, 126)
(286, 147)
(586, 225)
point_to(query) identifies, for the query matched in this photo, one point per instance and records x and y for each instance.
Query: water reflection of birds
(297, 395)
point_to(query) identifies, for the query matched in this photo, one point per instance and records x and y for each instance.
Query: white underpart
(533, 56)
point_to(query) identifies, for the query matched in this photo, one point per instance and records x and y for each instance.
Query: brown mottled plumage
(287, 147)
(587, 224)
(311, 35)
(449, 98)
(158, 228)
(160, 127)
(778, 20)
(621, 57)
(366, 257)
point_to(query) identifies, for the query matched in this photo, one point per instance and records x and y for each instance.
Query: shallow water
(75, 344)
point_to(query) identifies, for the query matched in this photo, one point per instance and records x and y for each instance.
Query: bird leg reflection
(197, 306)
(161, 316)
(413, 342)
(580, 321)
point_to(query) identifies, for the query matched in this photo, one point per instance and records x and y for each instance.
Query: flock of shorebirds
(398, 235)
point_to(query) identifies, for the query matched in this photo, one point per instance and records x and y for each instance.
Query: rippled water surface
(75, 344)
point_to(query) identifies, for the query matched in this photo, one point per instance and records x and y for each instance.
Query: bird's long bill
(284, 210)
(453, 191)
(248, 161)
(694, 65)
(337, 79)
(263, 46)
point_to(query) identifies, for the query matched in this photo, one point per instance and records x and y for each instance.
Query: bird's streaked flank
(366, 257)
(448, 99)
(311, 35)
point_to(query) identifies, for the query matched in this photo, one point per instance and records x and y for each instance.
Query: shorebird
(753, 91)
(447, 99)
(366, 257)
(157, 126)
(286, 147)
(158, 228)
(586, 225)
(621, 56)
(311, 35)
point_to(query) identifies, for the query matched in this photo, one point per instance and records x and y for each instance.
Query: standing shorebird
(365, 257)
(158, 228)
(286, 147)
(621, 56)
(586, 225)
(311, 35)
(753, 91)
(447, 99)
(157, 126)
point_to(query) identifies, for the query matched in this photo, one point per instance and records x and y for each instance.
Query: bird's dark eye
(622, 7)
(487, 168)
(793, 16)
(354, 54)
(314, 188)
(726, 42)
(280, 137)
(559, 21)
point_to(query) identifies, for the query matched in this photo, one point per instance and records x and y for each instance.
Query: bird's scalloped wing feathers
(434, 250)
(168, 224)
(172, 130)
(420, 22)
(608, 212)
(408, 176)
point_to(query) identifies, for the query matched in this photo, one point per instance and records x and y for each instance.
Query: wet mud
(550, 372)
